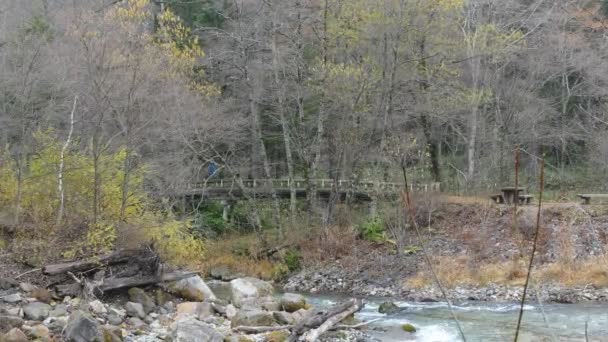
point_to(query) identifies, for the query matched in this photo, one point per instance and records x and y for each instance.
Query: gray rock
(97, 307)
(192, 330)
(12, 298)
(169, 306)
(388, 308)
(292, 302)
(14, 312)
(140, 296)
(37, 311)
(241, 291)
(9, 322)
(82, 328)
(60, 310)
(230, 311)
(39, 333)
(136, 323)
(135, 310)
(14, 335)
(27, 287)
(193, 288)
(200, 310)
(56, 324)
(8, 283)
(283, 317)
(253, 318)
(114, 319)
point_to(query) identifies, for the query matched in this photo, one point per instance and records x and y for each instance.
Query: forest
(130, 123)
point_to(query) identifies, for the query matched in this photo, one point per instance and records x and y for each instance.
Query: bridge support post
(373, 207)
(225, 210)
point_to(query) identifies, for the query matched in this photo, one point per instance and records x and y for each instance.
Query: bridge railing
(320, 184)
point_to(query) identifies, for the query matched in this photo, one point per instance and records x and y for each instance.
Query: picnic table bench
(587, 197)
(508, 195)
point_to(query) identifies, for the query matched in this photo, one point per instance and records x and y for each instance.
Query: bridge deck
(361, 190)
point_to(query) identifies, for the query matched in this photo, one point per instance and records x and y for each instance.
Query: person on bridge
(212, 169)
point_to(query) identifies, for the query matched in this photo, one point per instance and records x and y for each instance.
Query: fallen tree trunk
(110, 284)
(84, 265)
(314, 334)
(260, 330)
(319, 317)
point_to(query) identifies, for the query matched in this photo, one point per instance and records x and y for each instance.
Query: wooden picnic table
(510, 193)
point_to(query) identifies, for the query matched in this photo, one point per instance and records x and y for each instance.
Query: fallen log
(320, 316)
(74, 289)
(84, 265)
(314, 334)
(260, 330)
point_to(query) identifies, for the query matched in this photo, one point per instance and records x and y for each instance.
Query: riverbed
(482, 321)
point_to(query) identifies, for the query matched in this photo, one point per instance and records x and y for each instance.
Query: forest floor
(478, 250)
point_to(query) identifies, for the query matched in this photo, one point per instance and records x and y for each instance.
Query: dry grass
(455, 271)
(238, 253)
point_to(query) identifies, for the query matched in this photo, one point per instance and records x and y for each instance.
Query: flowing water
(483, 321)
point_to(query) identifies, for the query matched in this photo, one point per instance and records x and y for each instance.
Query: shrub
(208, 222)
(373, 229)
(292, 260)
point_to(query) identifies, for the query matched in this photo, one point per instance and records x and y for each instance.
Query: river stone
(135, 310)
(82, 328)
(193, 289)
(12, 298)
(14, 335)
(37, 311)
(292, 302)
(27, 287)
(200, 310)
(9, 322)
(140, 296)
(388, 308)
(245, 289)
(136, 323)
(192, 330)
(39, 333)
(97, 307)
(8, 283)
(283, 317)
(253, 318)
(59, 311)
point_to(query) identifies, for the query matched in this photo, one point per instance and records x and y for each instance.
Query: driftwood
(322, 320)
(110, 284)
(84, 265)
(314, 334)
(260, 330)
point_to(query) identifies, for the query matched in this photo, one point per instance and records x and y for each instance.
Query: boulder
(136, 323)
(197, 309)
(253, 318)
(192, 330)
(223, 272)
(56, 324)
(284, 318)
(230, 311)
(292, 302)
(116, 316)
(97, 307)
(14, 335)
(135, 310)
(39, 333)
(82, 328)
(60, 310)
(8, 283)
(388, 308)
(140, 296)
(27, 287)
(193, 289)
(12, 298)
(36, 311)
(244, 289)
(9, 322)
(300, 314)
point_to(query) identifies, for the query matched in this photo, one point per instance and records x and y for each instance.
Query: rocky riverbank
(337, 279)
(185, 311)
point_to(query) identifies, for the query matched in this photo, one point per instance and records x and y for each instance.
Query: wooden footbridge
(233, 189)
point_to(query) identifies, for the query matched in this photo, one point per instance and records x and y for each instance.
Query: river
(482, 321)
